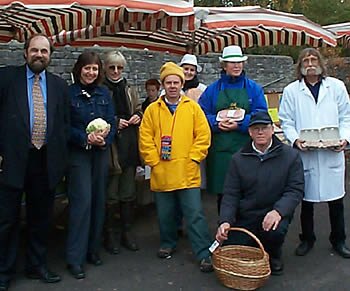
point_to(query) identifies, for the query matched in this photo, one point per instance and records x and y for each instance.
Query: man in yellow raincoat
(174, 139)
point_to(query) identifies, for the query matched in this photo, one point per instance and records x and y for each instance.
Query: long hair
(87, 58)
(310, 52)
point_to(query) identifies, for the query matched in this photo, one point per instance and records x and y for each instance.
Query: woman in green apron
(228, 104)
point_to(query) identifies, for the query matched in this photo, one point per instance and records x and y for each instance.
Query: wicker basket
(242, 267)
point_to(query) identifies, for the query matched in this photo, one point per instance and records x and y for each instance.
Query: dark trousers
(218, 202)
(336, 218)
(39, 204)
(87, 183)
(272, 240)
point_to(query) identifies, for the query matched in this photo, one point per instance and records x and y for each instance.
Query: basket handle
(252, 235)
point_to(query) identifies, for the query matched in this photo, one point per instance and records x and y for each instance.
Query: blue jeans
(196, 224)
(86, 194)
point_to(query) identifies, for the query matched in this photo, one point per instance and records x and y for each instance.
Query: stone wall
(340, 68)
(143, 64)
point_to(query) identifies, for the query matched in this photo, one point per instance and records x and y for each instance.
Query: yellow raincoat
(190, 134)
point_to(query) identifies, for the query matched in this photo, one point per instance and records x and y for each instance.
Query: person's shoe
(126, 218)
(342, 250)
(165, 253)
(76, 271)
(303, 248)
(94, 259)
(206, 265)
(44, 275)
(276, 266)
(111, 243)
(129, 242)
(4, 286)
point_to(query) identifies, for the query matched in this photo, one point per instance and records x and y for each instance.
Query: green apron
(225, 144)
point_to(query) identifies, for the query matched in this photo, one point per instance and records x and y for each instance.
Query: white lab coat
(324, 170)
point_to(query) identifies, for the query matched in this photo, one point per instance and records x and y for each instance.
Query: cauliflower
(98, 125)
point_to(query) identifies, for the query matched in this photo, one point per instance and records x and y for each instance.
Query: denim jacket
(86, 107)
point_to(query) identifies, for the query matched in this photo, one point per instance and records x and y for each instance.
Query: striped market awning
(342, 30)
(68, 20)
(221, 26)
(256, 26)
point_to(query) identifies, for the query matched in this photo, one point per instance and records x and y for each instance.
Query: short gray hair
(114, 57)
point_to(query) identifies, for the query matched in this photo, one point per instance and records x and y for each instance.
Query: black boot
(126, 217)
(305, 245)
(342, 250)
(303, 248)
(111, 235)
(276, 262)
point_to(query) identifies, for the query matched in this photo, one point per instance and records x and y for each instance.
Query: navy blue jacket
(209, 98)
(87, 107)
(256, 184)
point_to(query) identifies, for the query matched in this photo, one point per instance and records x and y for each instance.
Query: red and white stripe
(159, 25)
(67, 19)
(342, 30)
(220, 27)
(262, 27)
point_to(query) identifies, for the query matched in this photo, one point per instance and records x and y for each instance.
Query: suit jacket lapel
(21, 95)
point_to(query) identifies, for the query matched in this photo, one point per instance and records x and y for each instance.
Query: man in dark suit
(34, 124)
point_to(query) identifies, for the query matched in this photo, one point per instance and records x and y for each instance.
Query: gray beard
(304, 71)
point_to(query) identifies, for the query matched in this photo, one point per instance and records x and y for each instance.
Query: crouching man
(263, 186)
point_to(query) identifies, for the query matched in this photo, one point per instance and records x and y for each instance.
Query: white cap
(232, 53)
(188, 59)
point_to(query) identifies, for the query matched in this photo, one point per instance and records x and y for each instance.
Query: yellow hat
(171, 68)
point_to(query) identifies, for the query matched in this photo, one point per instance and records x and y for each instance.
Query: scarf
(88, 89)
(120, 99)
(189, 84)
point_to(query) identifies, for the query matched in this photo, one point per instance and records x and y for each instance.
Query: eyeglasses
(258, 128)
(312, 59)
(112, 68)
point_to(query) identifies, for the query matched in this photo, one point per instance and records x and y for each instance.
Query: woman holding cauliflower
(92, 131)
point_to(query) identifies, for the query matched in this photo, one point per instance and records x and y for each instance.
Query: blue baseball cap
(260, 117)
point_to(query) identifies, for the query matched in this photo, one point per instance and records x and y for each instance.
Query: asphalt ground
(321, 269)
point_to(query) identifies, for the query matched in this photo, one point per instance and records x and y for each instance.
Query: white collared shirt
(260, 152)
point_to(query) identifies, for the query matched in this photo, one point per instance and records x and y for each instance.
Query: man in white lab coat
(317, 101)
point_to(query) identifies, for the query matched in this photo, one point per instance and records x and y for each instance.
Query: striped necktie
(39, 124)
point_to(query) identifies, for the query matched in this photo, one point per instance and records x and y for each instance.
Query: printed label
(214, 246)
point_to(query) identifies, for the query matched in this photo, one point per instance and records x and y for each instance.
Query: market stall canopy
(68, 20)
(221, 26)
(342, 30)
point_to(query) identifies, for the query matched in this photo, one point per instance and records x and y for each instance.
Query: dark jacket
(256, 184)
(84, 109)
(124, 151)
(15, 136)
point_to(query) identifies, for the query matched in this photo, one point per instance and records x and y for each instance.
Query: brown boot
(111, 235)
(126, 217)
